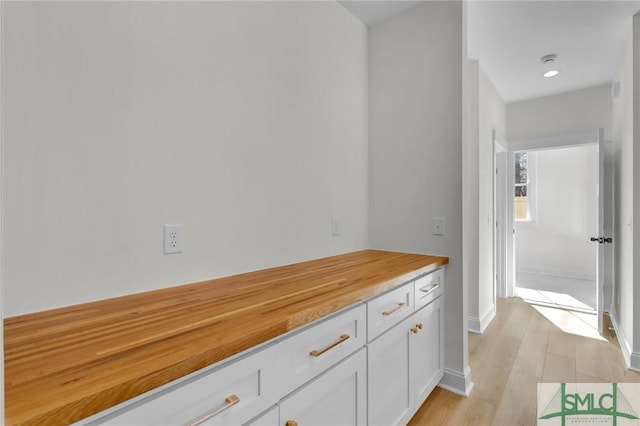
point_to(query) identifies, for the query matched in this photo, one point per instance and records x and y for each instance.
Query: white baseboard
(477, 325)
(457, 382)
(634, 361)
(556, 273)
(625, 347)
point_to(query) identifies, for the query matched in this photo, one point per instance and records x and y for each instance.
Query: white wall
(415, 122)
(635, 355)
(487, 111)
(492, 116)
(569, 113)
(623, 127)
(557, 241)
(246, 122)
(2, 5)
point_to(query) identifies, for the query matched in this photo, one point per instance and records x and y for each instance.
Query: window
(524, 190)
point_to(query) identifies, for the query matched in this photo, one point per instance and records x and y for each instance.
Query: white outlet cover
(173, 240)
(438, 226)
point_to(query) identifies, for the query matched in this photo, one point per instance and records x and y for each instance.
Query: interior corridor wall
(487, 112)
(244, 121)
(623, 155)
(415, 121)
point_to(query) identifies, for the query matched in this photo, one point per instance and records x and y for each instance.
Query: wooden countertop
(66, 364)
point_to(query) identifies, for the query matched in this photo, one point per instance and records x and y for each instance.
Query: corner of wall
(479, 325)
(457, 382)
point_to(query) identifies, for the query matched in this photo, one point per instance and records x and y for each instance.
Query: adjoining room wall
(557, 242)
(570, 113)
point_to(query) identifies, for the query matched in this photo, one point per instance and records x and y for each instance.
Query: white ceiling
(509, 37)
(372, 12)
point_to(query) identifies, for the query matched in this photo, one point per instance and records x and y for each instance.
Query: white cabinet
(318, 347)
(428, 351)
(383, 312)
(271, 417)
(390, 376)
(374, 363)
(429, 287)
(405, 363)
(232, 393)
(336, 397)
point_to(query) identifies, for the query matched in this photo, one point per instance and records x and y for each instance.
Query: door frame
(507, 233)
(500, 175)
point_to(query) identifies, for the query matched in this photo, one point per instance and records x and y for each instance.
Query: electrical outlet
(173, 238)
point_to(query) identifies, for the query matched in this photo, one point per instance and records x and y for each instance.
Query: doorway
(555, 213)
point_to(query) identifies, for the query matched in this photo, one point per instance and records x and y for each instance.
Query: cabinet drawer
(315, 349)
(232, 394)
(387, 310)
(337, 397)
(429, 287)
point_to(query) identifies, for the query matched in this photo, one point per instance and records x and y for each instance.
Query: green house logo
(565, 404)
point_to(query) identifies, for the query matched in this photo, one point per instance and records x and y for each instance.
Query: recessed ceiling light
(551, 73)
(548, 58)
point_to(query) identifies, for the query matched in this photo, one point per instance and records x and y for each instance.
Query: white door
(601, 239)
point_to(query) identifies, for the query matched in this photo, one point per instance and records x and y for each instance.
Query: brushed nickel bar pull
(387, 313)
(230, 401)
(317, 353)
(430, 288)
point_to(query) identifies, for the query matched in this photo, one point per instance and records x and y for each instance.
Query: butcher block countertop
(66, 364)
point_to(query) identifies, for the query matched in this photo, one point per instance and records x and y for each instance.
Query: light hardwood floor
(525, 345)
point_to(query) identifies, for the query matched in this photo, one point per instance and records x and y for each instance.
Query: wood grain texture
(66, 364)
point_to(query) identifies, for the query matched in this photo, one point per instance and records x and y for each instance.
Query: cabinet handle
(419, 325)
(229, 402)
(414, 330)
(291, 423)
(317, 353)
(430, 288)
(387, 313)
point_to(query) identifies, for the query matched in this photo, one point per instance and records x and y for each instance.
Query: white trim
(477, 325)
(457, 382)
(634, 361)
(625, 347)
(555, 141)
(556, 273)
(532, 176)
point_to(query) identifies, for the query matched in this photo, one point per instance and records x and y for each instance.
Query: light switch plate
(438, 226)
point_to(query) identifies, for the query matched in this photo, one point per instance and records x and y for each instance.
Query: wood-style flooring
(525, 345)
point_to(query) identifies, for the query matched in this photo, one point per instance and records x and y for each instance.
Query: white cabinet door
(270, 417)
(390, 376)
(427, 351)
(337, 397)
